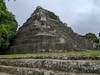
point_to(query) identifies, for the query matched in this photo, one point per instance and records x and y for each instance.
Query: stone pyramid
(44, 32)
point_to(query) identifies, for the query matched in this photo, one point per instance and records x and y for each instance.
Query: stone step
(34, 71)
(78, 66)
(64, 57)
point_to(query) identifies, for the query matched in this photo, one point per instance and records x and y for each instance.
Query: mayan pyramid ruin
(45, 32)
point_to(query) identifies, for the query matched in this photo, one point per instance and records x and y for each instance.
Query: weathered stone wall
(44, 32)
(30, 71)
(74, 66)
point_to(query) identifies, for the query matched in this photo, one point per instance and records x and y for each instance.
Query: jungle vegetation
(8, 27)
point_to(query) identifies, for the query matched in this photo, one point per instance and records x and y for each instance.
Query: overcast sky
(82, 15)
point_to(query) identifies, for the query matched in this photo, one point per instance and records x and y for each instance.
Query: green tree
(8, 27)
(96, 40)
(91, 36)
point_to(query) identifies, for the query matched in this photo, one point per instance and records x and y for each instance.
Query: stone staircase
(49, 67)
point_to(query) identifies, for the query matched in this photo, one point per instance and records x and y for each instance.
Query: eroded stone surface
(34, 71)
(44, 32)
(79, 66)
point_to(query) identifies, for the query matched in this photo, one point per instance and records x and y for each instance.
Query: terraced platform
(31, 66)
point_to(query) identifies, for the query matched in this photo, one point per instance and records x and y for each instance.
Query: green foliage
(90, 36)
(96, 40)
(8, 26)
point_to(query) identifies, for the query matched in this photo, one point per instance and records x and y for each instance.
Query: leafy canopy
(92, 37)
(8, 26)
